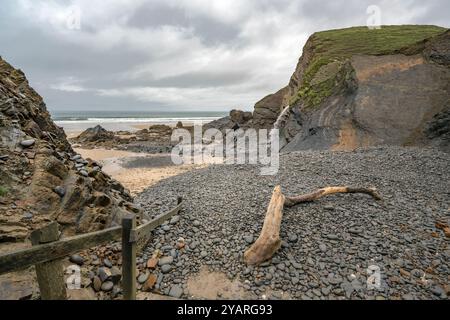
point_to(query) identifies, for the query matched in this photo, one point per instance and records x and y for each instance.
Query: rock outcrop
(237, 119)
(95, 134)
(358, 87)
(41, 178)
(155, 139)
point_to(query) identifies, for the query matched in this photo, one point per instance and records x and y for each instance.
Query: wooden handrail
(25, 258)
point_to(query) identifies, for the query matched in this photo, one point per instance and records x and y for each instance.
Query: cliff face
(41, 177)
(359, 87)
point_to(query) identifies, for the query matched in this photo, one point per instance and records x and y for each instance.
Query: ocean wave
(135, 120)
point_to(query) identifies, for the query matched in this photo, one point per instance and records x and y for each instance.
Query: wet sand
(136, 171)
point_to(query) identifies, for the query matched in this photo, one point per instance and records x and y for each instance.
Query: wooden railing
(47, 252)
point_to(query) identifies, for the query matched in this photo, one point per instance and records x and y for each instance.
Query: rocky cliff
(357, 87)
(41, 178)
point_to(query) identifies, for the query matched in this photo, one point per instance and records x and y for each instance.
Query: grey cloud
(209, 30)
(269, 52)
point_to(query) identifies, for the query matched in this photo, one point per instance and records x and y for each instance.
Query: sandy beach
(136, 171)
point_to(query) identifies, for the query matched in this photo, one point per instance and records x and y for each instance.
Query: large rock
(235, 120)
(267, 109)
(366, 87)
(240, 117)
(95, 134)
(36, 160)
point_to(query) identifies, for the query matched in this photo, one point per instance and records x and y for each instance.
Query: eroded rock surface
(41, 178)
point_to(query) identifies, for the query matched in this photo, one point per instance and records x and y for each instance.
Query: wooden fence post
(128, 258)
(50, 275)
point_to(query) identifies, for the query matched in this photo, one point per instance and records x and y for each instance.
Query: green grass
(3, 191)
(339, 45)
(345, 43)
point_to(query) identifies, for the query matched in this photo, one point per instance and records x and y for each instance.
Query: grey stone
(28, 215)
(27, 143)
(104, 273)
(60, 191)
(143, 277)
(107, 286)
(248, 239)
(176, 291)
(174, 219)
(166, 268)
(84, 173)
(165, 260)
(107, 263)
(196, 223)
(77, 259)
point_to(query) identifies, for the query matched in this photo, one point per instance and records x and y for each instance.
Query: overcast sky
(176, 55)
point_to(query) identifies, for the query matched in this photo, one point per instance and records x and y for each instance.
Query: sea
(77, 121)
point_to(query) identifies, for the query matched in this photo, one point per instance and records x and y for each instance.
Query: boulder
(97, 133)
(240, 117)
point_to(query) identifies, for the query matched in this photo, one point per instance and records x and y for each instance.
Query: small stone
(322, 247)
(325, 291)
(107, 286)
(107, 263)
(196, 223)
(295, 280)
(417, 273)
(60, 191)
(176, 292)
(142, 278)
(116, 275)
(84, 173)
(293, 238)
(329, 207)
(166, 268)
(104, 273)
(28, 215)
(438, 291)
(332, 236)
(27, 143)
(203, 254)
(77, 259)
(248, 239)
(355, 231)
(116, 291)
(165, 260)
(152, 262)
(97, 283)
(150, 283)
(174, 219)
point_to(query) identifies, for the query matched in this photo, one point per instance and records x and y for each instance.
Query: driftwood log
(269, 240)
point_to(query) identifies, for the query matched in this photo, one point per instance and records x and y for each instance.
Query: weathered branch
(269, 240)
(292, 201)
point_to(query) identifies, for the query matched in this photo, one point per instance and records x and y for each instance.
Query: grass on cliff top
(338, 45)
(344, 43)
